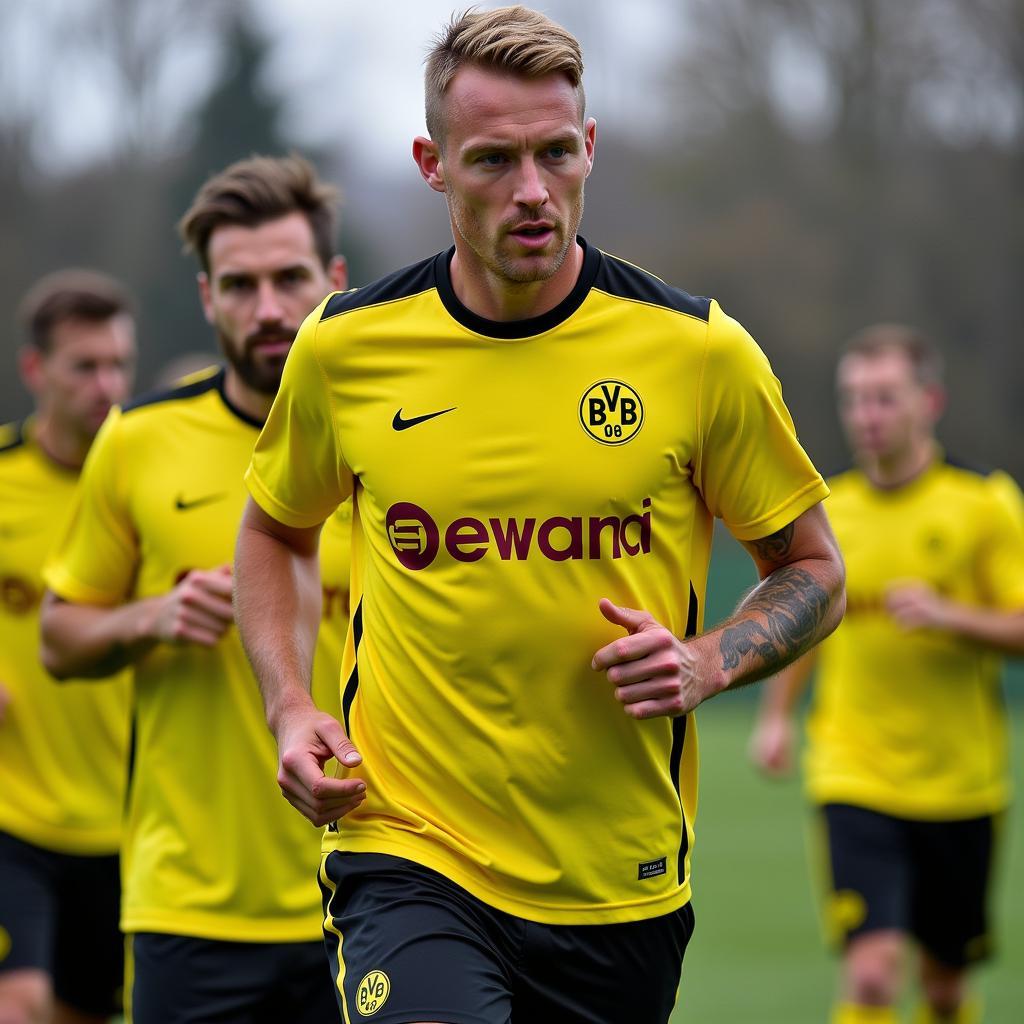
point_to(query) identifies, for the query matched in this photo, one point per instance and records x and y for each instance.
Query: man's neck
(58, 443)
(900, 469)
(496, 298)
(254, 404)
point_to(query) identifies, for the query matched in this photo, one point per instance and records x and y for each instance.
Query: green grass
(756, 956)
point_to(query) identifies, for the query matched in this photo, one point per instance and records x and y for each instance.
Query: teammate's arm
(918, 606)
(798, 602)
(773, 739)
(277, 595)
(85, 641)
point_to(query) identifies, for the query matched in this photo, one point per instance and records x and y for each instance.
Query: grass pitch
(756, 956)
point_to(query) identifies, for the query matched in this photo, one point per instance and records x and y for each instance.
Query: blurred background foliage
(815, 164)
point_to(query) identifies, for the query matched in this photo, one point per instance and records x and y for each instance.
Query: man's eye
(493, 159)
(558, 152)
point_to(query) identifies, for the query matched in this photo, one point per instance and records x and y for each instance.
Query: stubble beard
(515, 270)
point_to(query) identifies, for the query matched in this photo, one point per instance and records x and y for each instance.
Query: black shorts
(930, 879)
(59, 912)
(406, 945)
(177, 979)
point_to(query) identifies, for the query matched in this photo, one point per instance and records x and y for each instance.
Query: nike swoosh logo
(208, 499)
(401, 424)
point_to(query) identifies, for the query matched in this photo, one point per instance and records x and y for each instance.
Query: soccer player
(538, 437)
(219, 903)
(63, 749)
(907, 758)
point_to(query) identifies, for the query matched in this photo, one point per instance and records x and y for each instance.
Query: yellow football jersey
(63, 746)
(212, 849)
(911, 723)
(506, 477)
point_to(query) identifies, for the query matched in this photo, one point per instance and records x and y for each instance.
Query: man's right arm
(87, 641)
(773, 739)
(277, 595)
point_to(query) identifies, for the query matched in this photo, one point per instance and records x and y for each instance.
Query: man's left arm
(799, 601)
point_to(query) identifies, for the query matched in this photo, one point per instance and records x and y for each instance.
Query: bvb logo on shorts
(372, 993)
(611, 412)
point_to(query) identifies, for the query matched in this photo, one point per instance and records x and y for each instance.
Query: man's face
(514, 162)
(89, 367)
(262, 283)
(884, 408)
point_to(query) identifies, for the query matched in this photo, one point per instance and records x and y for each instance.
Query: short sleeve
(1002, 557)
(97, 555)
(750, 467)
(297, 474)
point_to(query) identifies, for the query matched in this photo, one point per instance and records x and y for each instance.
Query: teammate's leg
(953, 874)
(88, 963)
(868, 910)
(27, 925)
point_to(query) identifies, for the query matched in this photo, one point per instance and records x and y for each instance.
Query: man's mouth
(533, 235)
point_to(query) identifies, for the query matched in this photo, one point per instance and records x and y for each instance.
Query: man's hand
(5, 699)
(197, 611)
(917, 606)
(306, 740)
(772, 744)
(654, 673)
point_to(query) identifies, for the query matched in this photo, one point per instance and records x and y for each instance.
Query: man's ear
(30, 366)
(337, 273)
(427, 155)
(205, 294)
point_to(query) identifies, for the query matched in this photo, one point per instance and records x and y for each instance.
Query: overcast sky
(349, 70)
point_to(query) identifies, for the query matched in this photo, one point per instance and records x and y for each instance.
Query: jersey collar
(510, 329)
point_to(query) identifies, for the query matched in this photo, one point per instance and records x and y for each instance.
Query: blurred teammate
(63, 749)
(218, 901)
(907, 755)
(527, 424)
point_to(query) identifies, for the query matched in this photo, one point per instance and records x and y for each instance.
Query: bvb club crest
(611, 412)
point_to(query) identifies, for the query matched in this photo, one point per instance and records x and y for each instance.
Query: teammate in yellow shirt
(529, 427)
(63, 748)
(907, 745)
(219, 903)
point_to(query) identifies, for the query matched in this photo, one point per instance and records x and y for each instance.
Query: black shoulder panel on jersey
(197, 387)
(14, 434)
(411, 280)
(623, 279)
(968, 467)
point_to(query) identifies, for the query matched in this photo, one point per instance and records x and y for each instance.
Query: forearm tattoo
(793, 604)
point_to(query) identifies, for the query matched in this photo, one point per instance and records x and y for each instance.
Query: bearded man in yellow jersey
(222, 914)
(538, 437)
(63, 749)
(907, 744)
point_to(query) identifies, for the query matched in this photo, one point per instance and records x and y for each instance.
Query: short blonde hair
(514, 39)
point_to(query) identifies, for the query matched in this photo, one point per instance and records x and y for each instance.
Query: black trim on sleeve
(402, 284)
(616, 277)
(512, 329)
